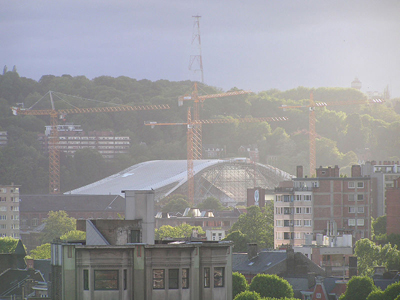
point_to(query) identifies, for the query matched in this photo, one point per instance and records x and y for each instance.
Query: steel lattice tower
(196, 61)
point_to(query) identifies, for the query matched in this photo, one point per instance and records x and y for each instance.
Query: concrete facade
(112, 265)
(9, 211)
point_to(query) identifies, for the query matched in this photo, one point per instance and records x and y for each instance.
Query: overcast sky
(255, 45)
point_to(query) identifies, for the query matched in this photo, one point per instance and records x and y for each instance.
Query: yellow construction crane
(54, 155)
(312, 133)
(192, 136)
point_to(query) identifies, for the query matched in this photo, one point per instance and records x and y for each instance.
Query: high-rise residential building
(9, 211)
(393, 208)
(327, 204)
(384, 172)
(73, 138)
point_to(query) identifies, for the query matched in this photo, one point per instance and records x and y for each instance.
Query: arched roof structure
(227, 180)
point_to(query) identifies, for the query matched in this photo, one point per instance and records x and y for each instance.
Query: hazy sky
(255, 45)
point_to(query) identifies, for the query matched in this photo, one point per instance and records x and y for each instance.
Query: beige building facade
(9, 211)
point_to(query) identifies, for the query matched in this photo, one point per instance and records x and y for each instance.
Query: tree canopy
(8, 244)
(358, 288)
(41, 252)
(344, 132)
(57, 224)
(256, 225)
(211, 203)
(181, 231)
(271, 286)
(239, 284)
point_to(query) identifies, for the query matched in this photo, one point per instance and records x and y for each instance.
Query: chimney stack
(299, 171)
(252, 250)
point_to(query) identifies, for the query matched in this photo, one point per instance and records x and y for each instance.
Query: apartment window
(3, 208)
(278, 198)
(158, 279)
(287, 210)
(287, 223)
(86, 280)
(3, 199)
(360, 209)
(297, 235)
(298, 210)
(288, 235)
(297, 223)
(307, 197)
(106, 279)
(352, 222)
(173, 279)
(351, 197)
(3, 217)
(279, 223)
(360, 197)
(286, 198)
(185, 278)
(298, 198)
(307, 222)
(351, 185)
(207, 274)
(219, 274)
(135, 236)
(15, 208)
(352, 209)
(360, 184)
(307, 210)
(14, 226)
(360, 222)
(3, 226)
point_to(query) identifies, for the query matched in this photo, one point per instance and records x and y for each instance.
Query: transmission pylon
(196, 61)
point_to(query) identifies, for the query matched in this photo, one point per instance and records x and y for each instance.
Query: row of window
(354, 184)
(12, 190)
(174, 282)
(293, 210)
(12, 226)
(12, 199)
(291, 198)
(356, 197)
(290, 235)
(12, 217)
(13, 235)
(358, 209)
(353, 222)
(296, 223)
(12, 208)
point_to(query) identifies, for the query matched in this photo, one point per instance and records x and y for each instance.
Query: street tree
(358, 288)
(271, 286)
(57, 224)
(73, 235)
(239, 240)
(41, 252)
(181, 231)
(257, 225)
(211, 203)
(8, 244)
(239, 283)
(176, 205)
(248, 295)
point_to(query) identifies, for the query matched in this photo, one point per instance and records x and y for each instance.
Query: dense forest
(345, 134)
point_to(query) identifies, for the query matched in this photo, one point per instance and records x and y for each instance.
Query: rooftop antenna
(196, 61)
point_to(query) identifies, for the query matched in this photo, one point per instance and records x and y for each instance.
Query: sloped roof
(11, 280)
(145, 176)
(41, 203)
(258, 264)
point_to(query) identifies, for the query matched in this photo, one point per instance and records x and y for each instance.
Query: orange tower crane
(191, 132)
(54, 154)
(197, 126)
(312, 132)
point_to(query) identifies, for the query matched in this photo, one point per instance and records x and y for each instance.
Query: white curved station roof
(145, 176)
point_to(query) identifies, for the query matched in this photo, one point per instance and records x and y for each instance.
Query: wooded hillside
(345, 134)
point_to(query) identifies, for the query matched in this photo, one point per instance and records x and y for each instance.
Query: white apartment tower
(9, 211)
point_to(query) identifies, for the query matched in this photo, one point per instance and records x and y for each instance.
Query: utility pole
(196, 61)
